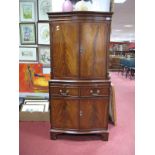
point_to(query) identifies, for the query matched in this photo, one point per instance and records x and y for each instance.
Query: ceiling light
(117, 30)
(119, 1)
(128, 25)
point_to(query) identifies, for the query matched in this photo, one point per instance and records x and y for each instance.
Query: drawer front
(64, 91)
(95, 91)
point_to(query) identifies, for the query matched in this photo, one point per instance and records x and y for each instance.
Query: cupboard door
(65, 45)
(94, 114)
(93, 44)
(65, 114)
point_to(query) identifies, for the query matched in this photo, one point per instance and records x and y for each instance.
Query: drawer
(64, 91)
(95, 91)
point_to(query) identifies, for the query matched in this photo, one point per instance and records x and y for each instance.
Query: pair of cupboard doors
(79, 114)
(79, 50)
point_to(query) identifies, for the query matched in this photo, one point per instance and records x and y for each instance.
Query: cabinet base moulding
(103, 133)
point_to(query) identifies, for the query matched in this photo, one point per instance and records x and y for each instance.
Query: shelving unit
(117, 51)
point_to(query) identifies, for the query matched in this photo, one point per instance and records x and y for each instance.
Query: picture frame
(38, 102)
(43, 34)
(44, 55)
(47, 70)
(28, 54)
(27, 11)
(33, 108)
(27, 33)
(44, 6)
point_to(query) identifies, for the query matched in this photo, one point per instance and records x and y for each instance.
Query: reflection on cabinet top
(78, 81)
(80, 15)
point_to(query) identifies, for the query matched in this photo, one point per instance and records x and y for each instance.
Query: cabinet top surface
(79, 13)
(79, 81)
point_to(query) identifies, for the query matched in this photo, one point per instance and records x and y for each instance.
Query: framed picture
(27, 33)
(43, 34)
(46, 70)
(32, 79)
(33, 107)
(27, 12)
(44, 6)
(44, 55)
(28, 54)
(33, 102)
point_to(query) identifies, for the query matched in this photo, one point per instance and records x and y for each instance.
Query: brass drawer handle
(91, 91)
(98, 91)
(95, 93)
(67, 91)
(64, 93)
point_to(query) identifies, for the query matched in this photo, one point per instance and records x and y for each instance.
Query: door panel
(94, 114)
(93, 50)
(65, 114)
(65, 42)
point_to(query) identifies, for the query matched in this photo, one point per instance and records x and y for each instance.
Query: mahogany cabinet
(80, 86)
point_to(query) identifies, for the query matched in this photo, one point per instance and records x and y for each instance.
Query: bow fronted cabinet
(79, 88)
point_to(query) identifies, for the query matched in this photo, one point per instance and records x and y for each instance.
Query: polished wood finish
(62, 90)
(93, 114)
(65, 53)
(80, 16)
(54, 81)
(80, 87)
(65, 114)
(54, 133)
(82, 112)
(93, 50)
(75, 55)
(95, 91)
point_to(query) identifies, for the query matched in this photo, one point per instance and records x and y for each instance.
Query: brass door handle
(81, 113)
(81, 49)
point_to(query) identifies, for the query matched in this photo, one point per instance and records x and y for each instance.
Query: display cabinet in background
(119, 50)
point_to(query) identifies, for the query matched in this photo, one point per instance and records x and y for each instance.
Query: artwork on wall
(27, 33)
(32, 79)
(27, 12)
(28, 54)
(43, 34)
(44, 6)
(44, 55)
